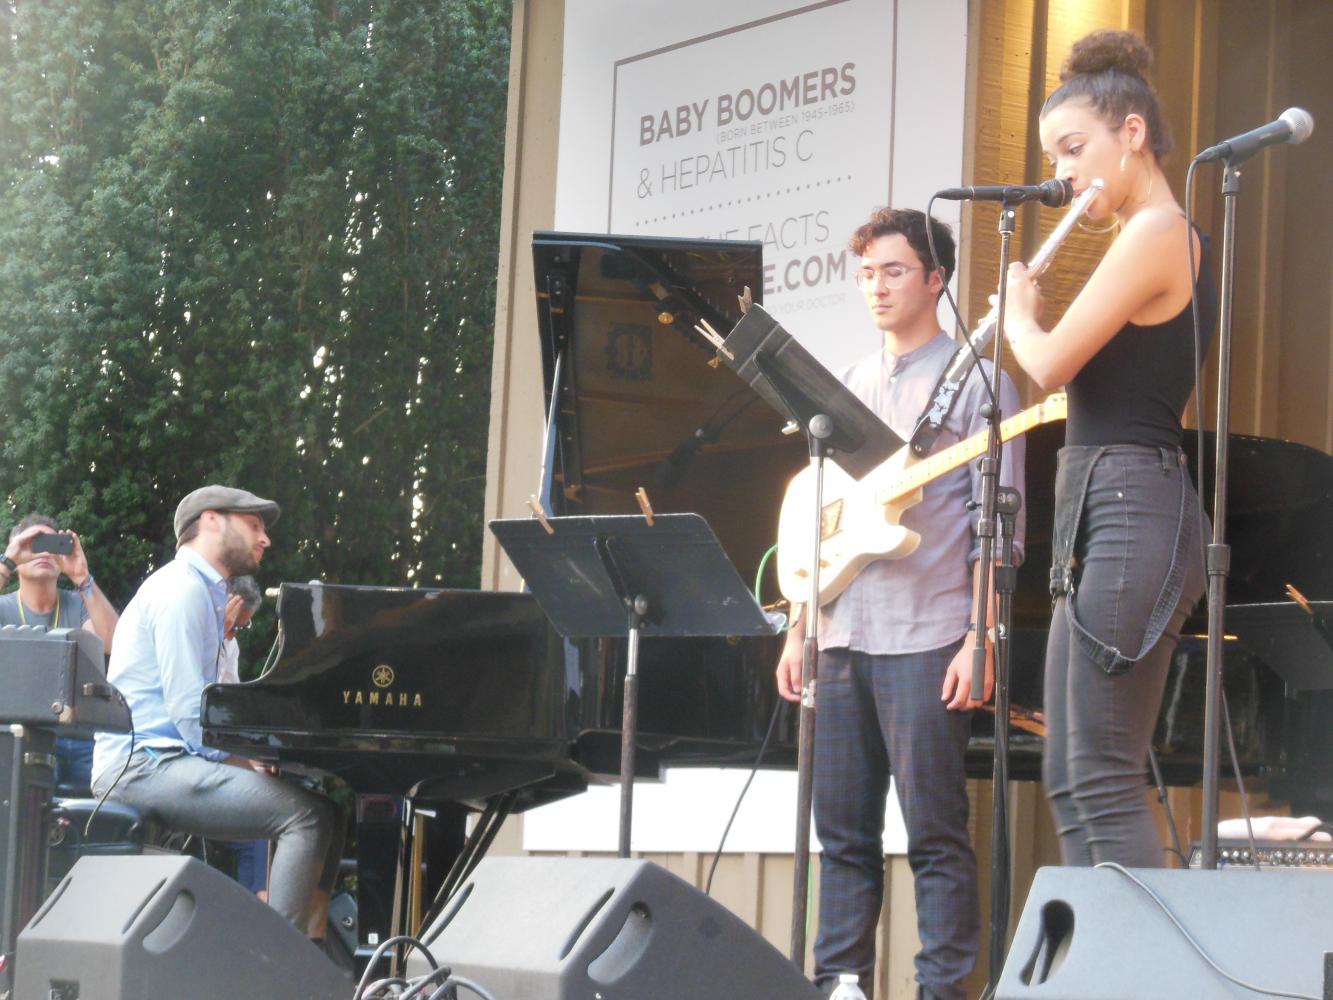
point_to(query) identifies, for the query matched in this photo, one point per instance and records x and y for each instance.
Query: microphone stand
(1000, 504)
(1218, 562)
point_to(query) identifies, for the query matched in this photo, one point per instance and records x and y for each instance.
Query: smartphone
(49, 542)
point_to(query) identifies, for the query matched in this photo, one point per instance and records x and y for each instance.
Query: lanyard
(23, 619)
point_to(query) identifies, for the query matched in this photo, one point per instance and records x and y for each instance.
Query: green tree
(253, 242)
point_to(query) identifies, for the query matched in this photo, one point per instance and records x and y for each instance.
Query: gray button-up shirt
(923, 601)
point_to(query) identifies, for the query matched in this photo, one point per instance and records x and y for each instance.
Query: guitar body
(857, 529)
(860, 520)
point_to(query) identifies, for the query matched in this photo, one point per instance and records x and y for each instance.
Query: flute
(1041, 260)
(960, 366)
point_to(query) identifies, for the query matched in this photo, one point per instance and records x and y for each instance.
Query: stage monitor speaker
(1093, 934)
(130, 928)
(565, 928)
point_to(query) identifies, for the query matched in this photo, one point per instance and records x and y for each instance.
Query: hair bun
(1100, 51)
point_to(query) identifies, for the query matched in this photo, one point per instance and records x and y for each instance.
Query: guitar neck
(933, 466)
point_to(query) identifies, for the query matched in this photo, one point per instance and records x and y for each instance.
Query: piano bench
(116, 829)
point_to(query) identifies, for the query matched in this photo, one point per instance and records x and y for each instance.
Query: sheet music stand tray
(789, 378)
(627, 575)
(1297, 644)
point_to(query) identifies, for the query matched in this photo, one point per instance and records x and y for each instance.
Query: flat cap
(226, 499)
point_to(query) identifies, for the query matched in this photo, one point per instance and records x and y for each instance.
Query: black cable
(417, 987)
(274, 653)
(960, 326)
(87, 827)
(380, 985)
(1198, 948)
(763, 747)
(1160, 783)
(467, 984)
(379, 953)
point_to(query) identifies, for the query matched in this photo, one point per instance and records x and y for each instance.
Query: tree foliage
(252, 242)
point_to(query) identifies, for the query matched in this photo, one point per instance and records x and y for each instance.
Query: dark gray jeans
(1129, 514)
(882, 715)
(211, 799)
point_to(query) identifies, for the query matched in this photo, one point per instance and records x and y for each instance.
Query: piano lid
(638, 402)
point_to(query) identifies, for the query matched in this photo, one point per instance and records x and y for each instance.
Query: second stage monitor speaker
(567, 928)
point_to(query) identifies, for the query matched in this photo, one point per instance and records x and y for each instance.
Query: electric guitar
(859, 521)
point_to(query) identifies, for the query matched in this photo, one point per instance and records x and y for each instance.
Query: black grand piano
(468, 702)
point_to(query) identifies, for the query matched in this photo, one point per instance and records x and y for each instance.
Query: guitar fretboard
(934, 466)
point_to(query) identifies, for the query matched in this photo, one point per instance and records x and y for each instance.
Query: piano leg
(379, 820)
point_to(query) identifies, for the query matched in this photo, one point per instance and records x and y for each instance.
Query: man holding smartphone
(38, 555)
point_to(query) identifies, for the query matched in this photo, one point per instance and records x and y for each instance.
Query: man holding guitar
(894, 677)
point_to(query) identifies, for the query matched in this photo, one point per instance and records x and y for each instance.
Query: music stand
(837, 425)
(1296, 642)
(630, 575)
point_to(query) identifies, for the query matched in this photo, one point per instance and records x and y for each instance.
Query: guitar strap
(943, 398)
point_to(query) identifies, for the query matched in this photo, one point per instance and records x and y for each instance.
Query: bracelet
(86, 587)
(8, 563)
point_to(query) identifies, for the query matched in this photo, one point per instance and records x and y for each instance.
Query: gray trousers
(1134, 576)
(211, 799)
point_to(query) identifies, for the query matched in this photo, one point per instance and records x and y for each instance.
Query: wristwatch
(8, 563)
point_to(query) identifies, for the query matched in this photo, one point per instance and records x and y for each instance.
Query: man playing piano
(894, 688)
(168, 647)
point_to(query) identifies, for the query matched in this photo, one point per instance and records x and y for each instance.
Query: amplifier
(1237, 854)
(56, 678)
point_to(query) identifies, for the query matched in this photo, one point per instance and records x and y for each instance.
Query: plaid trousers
(878, 716)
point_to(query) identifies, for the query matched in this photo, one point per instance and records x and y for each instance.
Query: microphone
(672, 469)
(1054, 193)
(1294, 126)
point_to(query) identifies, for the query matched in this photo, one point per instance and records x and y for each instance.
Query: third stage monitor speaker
(1097, 934)
(566, 928)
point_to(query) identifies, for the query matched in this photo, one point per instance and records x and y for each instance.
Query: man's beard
(236, 558)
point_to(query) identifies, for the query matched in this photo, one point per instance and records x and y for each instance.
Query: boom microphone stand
(1218, 562)
(1000, 504)
(1294, 125)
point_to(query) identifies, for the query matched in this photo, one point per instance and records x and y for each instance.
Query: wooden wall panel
(1304, 405)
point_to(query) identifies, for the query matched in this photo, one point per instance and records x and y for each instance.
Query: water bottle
(849, 987)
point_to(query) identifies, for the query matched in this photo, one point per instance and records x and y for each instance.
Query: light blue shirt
(166, 649)
(923, 601)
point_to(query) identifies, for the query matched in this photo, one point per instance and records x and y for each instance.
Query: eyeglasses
(888, 275)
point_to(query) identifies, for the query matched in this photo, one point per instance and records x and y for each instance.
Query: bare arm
(102, 617)
(1143, 278)
(792, 659)
(957, 691)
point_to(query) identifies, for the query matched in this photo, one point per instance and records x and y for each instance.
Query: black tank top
(1134, 389)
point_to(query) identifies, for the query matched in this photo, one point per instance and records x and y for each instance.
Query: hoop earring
(1100, 232)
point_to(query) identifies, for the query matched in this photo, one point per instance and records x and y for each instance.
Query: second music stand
(631, 575)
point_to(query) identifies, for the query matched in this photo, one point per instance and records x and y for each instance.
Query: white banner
(768, 120)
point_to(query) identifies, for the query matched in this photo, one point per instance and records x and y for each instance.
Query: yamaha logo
(378, 694)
